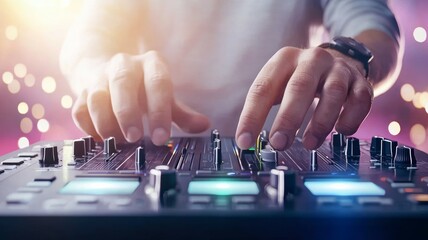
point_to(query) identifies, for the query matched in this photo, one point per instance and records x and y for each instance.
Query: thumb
(188, 119)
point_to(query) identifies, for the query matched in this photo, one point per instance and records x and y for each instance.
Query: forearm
(386, 64)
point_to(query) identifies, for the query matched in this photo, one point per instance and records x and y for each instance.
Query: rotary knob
(405, 158)
(79, 148)
(49, 155)
(352, 149)
(387, 151)
(140, 157)
(282, 183)
(163, 182)
(338, 142)
(110, 146)
(375, 146)
(89, 144)
(269, 155)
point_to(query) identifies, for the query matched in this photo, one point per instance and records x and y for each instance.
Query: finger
(188, 119)
(81, 117)
(159, 97)
(333, 96)
(357, 106)
(124, 81)
(298, 96)
(262, 94)
(101, 112)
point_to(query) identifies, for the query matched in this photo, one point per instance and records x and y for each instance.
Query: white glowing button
(7, 77)
(48, 84)
(418, 134)
(394, 128)
(66, 102)
(43, 125)
(11, 32)
(20, 70)
(29, 80)
(420, 34)
(14, 87)
(417, 100)
(38, 111)
(26, 125)
(23, 142)
(22, 107)
(407, 92)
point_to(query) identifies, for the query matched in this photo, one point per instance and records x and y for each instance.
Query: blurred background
(35, 101)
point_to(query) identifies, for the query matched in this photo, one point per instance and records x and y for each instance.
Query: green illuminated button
(223, 187)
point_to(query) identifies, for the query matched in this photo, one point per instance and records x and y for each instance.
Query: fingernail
(245, 140)
(133, 134)
(279, 141)
(159, 136)
(311, 142)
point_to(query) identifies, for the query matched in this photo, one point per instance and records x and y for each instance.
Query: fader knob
(163, 181)
(140, 157)
(283, 181)
(49, 155)
(405, 157)
(375, 147)
(110, 146)
(89, 143)
(388, 148)
(79, 148)
(352, 148)
(338, 142)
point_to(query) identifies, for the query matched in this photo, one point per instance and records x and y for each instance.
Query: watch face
(354, 45)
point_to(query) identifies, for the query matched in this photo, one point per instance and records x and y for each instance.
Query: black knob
(89, 143)
(375, 146)
(49, 155)
(338, 142)
(387, 151)
(352, 149)
(79, 148)
(110, 146)
(405, 157)
(283, 181)
(163, 182)
(269, 155)
(314, 160)
(140, 157)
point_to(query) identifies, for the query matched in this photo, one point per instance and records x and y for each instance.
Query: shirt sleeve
(351, 17)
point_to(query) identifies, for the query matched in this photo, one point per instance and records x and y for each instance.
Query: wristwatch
(351, 48)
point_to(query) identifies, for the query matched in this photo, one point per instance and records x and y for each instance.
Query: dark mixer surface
(209, 188)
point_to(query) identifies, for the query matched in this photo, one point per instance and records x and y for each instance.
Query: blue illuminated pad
(343, 187)
(223, 187)
(101, 186)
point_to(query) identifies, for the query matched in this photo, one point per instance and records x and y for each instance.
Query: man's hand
(125, 89)
(293, 78)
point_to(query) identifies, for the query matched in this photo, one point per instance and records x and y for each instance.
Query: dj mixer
(208, 188)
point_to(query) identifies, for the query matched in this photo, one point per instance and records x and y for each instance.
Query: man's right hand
(125, 89)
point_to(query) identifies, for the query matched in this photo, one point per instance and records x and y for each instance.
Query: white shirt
(215, 48)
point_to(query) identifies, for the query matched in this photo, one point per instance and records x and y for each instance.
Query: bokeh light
(417, 134)
(29, 80)
(38, 111)
(417, 103)
(66, 101)
(14, 87)
(22, 107)
(420, 34)
(23, 142)
(20, 70)
(48, 84)
(407, 92)
(7, 77)
(394, 128)
(11, 32)
(43, 125)
(26, 125)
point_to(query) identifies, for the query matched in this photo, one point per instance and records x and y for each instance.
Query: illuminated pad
(101, 186)
(340, 187)
(223, 187)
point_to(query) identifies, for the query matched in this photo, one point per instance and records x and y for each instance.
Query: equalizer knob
(352, 149)
(282, 183)
(49, 155)
(269, 155)
(79, 148)
(387, 151)
(110, 146)
(375, 146)
(338, 142)
(217, 152)
(163, 182)
(89, 143)
(405, 157)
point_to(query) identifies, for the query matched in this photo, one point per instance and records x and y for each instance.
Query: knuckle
(123, 112)
(97, 97)
(364, 95)
(287, 122)
(301, 82)
(261, 88)
(336, 89)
